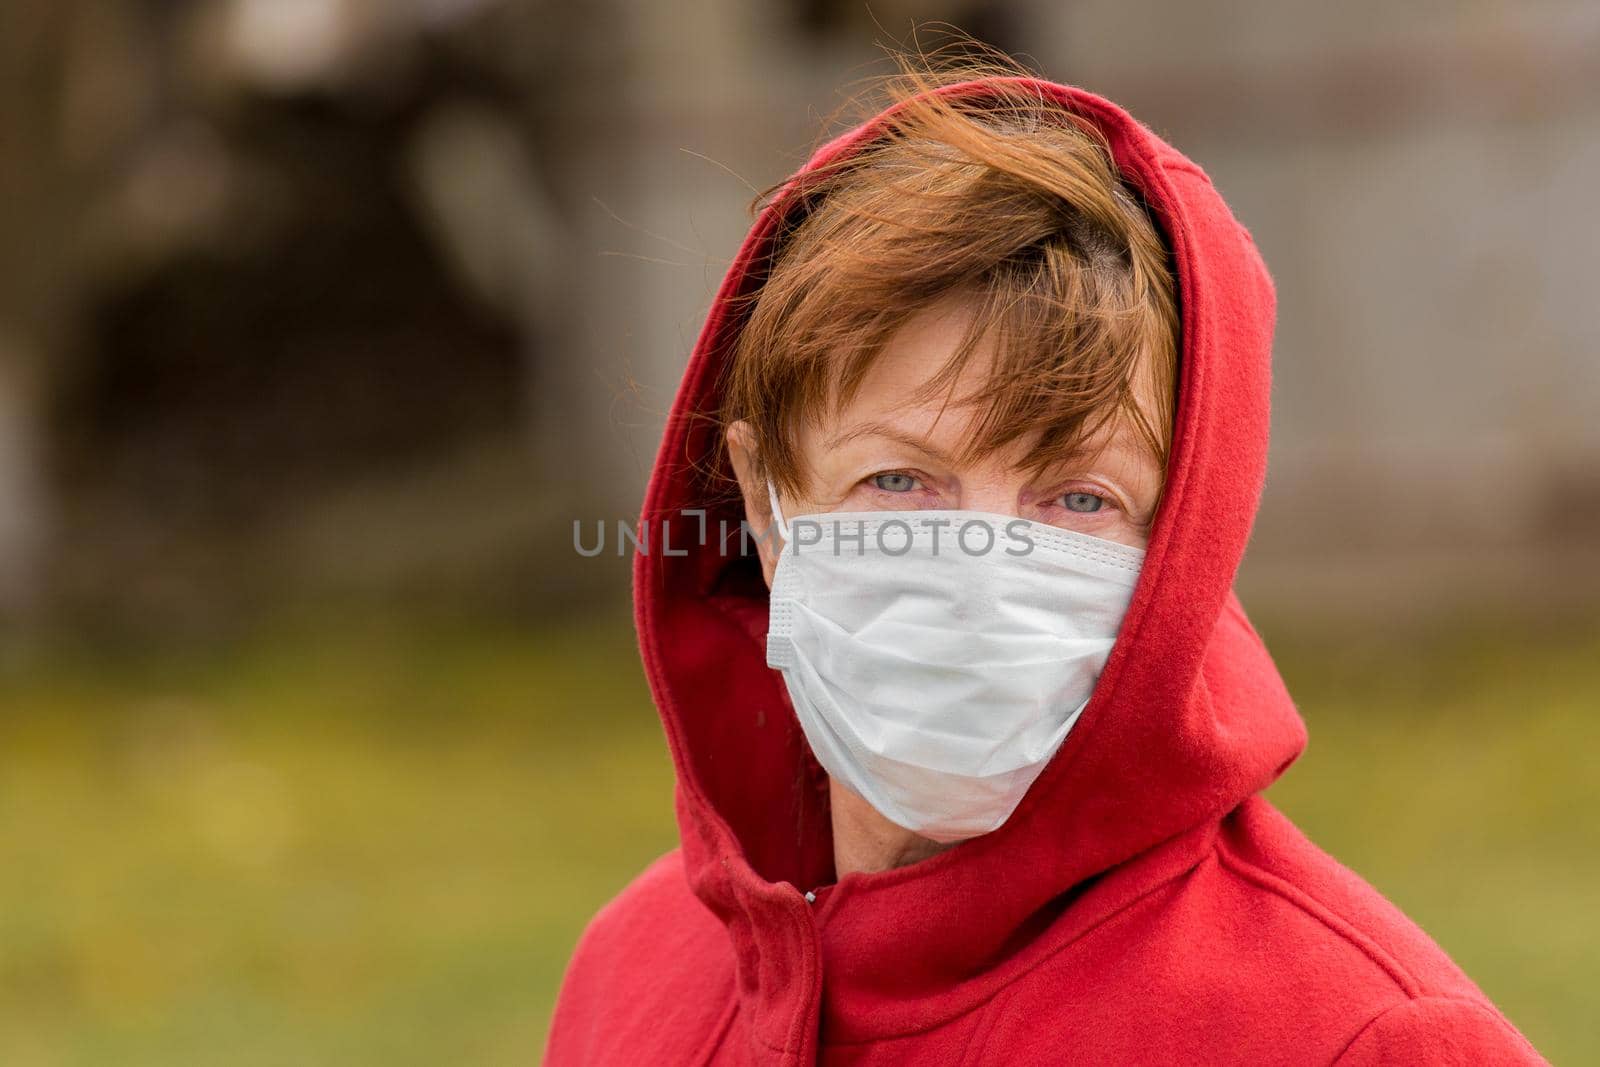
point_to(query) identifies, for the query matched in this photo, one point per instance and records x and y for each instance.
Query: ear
(743, 453)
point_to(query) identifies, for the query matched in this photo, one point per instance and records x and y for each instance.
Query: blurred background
(322, 320)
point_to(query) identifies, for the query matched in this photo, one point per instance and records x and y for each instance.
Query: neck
(865, 842)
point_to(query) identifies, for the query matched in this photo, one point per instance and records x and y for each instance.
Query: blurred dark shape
(254, 320)
(293, 351)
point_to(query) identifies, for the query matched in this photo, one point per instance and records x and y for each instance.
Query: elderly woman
(970, 729)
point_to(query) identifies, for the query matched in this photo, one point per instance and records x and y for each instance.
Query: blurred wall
(1417, 177)
(328, 297)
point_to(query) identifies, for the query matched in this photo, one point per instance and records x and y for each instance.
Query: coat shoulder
(653, 969)
(1439, 1031)
(1271, 858)
(1266, 951)
(1421, 1000)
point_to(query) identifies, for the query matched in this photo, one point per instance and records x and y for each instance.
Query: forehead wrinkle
(888, 432)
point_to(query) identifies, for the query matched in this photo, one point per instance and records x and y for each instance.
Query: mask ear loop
(777, 512)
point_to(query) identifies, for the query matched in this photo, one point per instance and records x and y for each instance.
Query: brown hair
(1004, 195)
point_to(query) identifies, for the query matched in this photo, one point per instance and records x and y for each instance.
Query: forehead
(913, 355)
(897, 394)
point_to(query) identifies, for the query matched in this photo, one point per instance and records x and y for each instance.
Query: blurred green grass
(358, 840)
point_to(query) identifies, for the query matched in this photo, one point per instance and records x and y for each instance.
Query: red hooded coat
(1142, 905)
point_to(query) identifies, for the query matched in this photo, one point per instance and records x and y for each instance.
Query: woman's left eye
(1083, 503)
(894, 482)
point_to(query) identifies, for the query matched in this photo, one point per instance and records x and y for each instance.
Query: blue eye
(1083, 503)
(894, 482)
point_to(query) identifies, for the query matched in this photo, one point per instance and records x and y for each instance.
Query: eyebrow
(879, 429)
(1118, 445)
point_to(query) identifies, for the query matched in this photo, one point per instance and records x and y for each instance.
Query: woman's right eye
(894, 482)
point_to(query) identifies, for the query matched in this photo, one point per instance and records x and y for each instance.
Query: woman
(969, 727)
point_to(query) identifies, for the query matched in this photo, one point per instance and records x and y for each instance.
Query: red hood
(1189, 717)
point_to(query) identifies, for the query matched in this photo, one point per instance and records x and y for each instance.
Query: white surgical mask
(937, 659)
